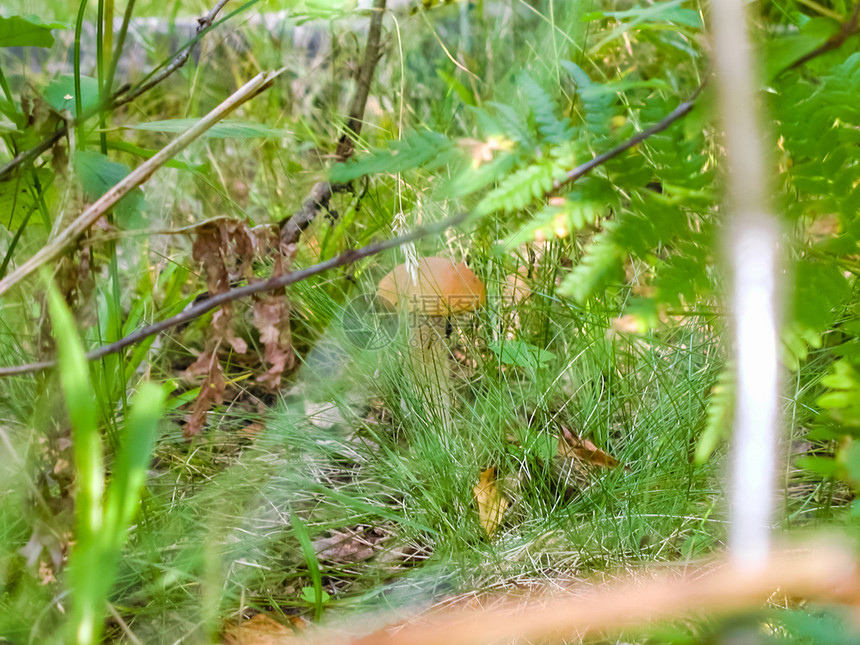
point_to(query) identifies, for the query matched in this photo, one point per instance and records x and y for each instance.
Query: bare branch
(203, 306)
(346, 145)
(682, 110)
(320, 195)
(849, 28)
(278, 282)
(134, 179)
(816, 573)
(203, 24)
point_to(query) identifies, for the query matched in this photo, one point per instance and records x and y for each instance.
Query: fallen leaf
(491, 503)
(223, 248)
(574, 447)
(260, 630)
(349, 545)
(211, 391)
(272, 320)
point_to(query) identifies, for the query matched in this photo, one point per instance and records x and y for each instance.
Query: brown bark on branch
(320, 195)
(828, 573)
(203, 306)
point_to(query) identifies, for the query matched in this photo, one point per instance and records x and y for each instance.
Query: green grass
(232, 521)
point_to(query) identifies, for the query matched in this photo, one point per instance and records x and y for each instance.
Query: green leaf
(521, 354)
(601, 265)
(309, 595)
(824, 466)
(88, 586)
(132, 461)
(719, 415)
(98, 174)
(318, 593)
(60, 93)
(27, 31)
(785, 50)
(83, 414)
(226, 129)
(18, 200)
(146, 153)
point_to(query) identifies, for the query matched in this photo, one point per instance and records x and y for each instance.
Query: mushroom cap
(443, 287)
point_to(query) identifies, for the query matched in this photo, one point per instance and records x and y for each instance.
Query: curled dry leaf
(260, 630)
(491, 503)
(211, 391)
(224, 248)
(572, 446)
(272, 320)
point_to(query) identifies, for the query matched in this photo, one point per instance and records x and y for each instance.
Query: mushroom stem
(436, 289)
(428, 358)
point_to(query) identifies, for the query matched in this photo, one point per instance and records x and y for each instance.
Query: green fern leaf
(601, 265)
(553, 129)
(422, 148)
(721, 404)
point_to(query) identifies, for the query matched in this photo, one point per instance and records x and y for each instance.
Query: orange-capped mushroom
(435, 290)
(441, 287)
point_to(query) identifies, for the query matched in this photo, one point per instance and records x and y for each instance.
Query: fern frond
(718, 423)
(601, 265)
(599, 105)
(556, 220)
(421, 148)
(553, 129)
(521, 188)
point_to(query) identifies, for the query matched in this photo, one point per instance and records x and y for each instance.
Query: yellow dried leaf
(491, 503)
(573, 447)
(260, 630)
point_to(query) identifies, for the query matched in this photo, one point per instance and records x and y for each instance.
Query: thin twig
(119, 98)
(849, 28)
(178, 61)
(208, 304)
(346, 145)
(203, 306)
(682, 110)
(135, 178)
(271, 284)
(320, 195)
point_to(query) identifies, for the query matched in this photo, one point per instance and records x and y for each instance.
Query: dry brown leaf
(575, 447)
(491, 503)
(224, 248)
(272, 319)
(349, 545)
(260, 630)
(211, 391)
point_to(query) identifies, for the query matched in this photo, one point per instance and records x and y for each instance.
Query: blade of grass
(313, 563)
(89, 466)
(137, 444)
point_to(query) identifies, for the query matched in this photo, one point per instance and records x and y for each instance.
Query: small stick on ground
(134, 179)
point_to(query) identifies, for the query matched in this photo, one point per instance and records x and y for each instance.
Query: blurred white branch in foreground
(753, 262)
